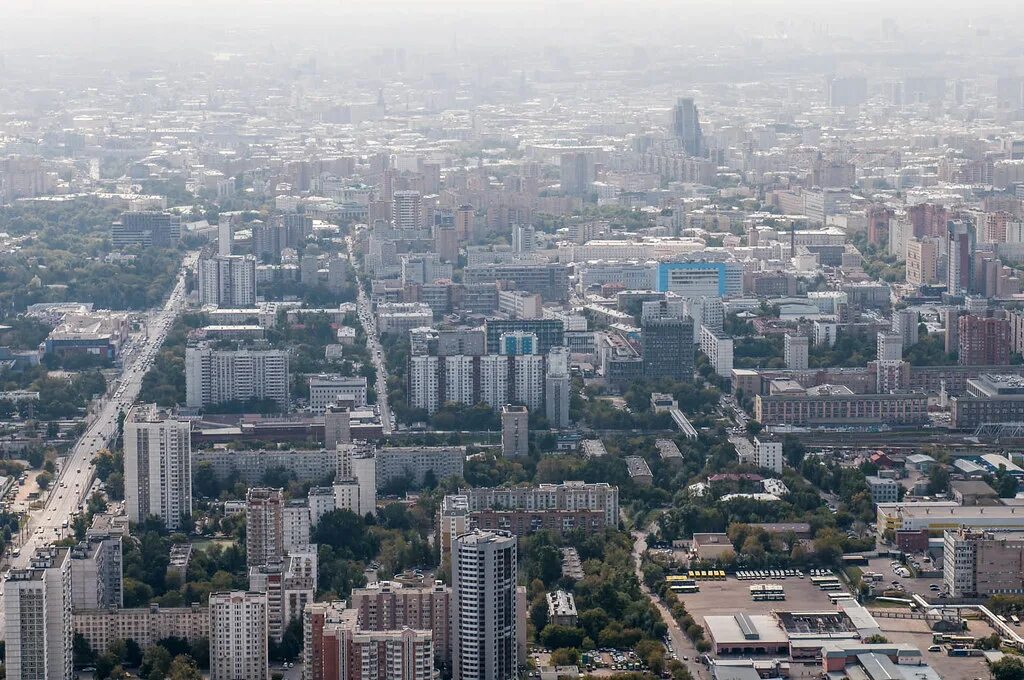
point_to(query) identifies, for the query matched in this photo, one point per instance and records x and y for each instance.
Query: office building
(983, 563)
(484, 602)
(959, 251)
(515, 431)
(37, 617)
(550, 333)
(227, 281)
(550, 280)
(718, 348)
(146, 229)
(157, 466)
(407, 210)
(239, 636)
(795, 350)
(557, 388)
(99, 333)
(988, 398)
(882, 489)
(577, 172)
(97, 579)
(264, 525)
(837, 404)
(983, 341)
(701, 279)
(668, 350)
(327, 389)
(401, 317)
(686, 126)
(214, 376)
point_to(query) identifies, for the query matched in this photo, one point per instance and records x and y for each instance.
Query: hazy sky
(123, 29)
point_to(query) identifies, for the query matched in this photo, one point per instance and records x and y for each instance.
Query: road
(369, 323)
(77, 472)
(681, 645)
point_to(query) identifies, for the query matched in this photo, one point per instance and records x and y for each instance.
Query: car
(934, 648)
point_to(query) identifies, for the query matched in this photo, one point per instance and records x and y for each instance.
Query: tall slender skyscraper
(157, 466)
(484, 605)
(686, 126)
(264, 525)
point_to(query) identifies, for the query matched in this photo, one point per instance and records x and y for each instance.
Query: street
(681, 645)
(369, 323)
(77, 472)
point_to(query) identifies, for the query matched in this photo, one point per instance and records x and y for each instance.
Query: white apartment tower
(227, 281)
(238, 636)
(484, 635)
(407, 210)
(157, 466)
(216, 376)
(37, 617)
(795, 351)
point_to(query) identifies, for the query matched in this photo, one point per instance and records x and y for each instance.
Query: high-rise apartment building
(38, 617)
(905, 323)
(959, 249)
(97, 577)
(795, 350)
(983, 341)
(157, 466)
(215, 376)
(515, 431)
(922, 261)
(264, 525)
(668, 350)
(407, 210)
(239, 636)
(338, 646)
(889, 346)
(227, 281)
(557, 388)
(289, 584)
(484, 635)
(686, 126)
(388, 605)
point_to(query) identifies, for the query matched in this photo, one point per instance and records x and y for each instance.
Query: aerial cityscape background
(492, 340)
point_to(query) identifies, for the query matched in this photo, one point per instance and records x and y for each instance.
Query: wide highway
(76, 475)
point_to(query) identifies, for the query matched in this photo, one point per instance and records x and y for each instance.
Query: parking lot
(916, 632)
(890, 579)
(733, 595)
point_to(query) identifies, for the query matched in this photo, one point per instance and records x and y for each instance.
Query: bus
(682, 584)
(833, 585)
(767, 593)
(1015, 619)
(836, 597)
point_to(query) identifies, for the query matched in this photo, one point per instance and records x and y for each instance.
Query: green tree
(184, 668)
(1008, 668)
